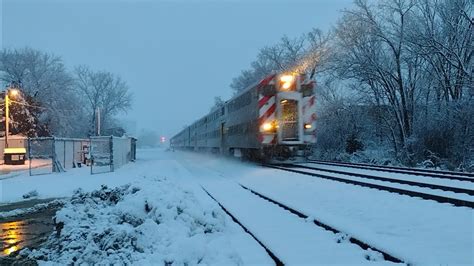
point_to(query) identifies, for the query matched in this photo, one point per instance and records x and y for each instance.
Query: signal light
(162, 139)
(308, 126)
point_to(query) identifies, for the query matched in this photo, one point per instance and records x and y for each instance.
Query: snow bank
(151, 221)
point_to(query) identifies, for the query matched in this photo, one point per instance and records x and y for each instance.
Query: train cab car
(286, 115)
(273, 119)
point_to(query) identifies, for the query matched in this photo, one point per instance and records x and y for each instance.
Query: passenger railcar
(273, 119)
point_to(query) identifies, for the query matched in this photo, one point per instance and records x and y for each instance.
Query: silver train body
(273, 119)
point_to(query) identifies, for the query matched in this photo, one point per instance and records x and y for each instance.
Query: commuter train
(272, 119)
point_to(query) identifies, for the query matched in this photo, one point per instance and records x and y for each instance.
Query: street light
(10, 92)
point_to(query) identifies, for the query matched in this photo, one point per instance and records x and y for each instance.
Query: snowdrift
(152, 221)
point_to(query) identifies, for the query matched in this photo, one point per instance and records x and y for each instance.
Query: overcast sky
(175, 55)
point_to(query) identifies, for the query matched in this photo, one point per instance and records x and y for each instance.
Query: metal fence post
(64, 154)
(91, 160)
(29, 154)
(111, 153)
(73, 154)
(53, 155)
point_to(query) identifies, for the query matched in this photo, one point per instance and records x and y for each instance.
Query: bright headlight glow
(267, 126)
(308, 126)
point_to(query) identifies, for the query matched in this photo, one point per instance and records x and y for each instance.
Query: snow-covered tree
(46, 85)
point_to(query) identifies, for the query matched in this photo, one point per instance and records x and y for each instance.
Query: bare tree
(373, 50)
(297, 54)
(102, 90)
(443, 34)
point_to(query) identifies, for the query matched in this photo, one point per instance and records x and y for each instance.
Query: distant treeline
(394, 82)
(57, 101)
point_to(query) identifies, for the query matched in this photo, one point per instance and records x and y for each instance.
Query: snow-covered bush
(155, 222)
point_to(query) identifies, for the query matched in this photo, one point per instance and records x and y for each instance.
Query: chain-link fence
(48, 155)
(40, 155)
(71, 153)
(111, 153)
(103, 154)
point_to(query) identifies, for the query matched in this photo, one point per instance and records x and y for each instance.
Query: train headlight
(287, 81)
(267, 126)
(308, 126)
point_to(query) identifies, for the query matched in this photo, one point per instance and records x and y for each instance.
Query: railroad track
(318, 223)
(386, 255)
(461, 176)
(276, 260)
(405, 187)
(455, 189)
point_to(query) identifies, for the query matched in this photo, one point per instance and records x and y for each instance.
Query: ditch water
(24, 230)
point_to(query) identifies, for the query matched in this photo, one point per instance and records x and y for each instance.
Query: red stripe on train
(263, 101)
(267, 114)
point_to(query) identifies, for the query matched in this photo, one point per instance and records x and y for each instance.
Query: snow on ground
(12, 170)
(169, 183)
(295, 241)
(152, 217)
(417, 230)
(157, 220)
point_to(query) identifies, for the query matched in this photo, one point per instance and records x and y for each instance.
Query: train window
(307, 89)
(239, 102)
(268, 90)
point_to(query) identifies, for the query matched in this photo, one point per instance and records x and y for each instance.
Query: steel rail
(426, 196)
(387, 179)
(420, 172)
(272, 255)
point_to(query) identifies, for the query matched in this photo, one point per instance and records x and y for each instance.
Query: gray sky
(175, 55)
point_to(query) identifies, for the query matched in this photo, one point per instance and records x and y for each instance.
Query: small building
(14, 156)
(14, 141)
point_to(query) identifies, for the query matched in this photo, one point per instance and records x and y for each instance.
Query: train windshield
(289, 120)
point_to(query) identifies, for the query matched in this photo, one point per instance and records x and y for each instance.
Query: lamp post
(13, 92)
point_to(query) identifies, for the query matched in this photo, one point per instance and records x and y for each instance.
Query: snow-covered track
(394, 180)
(462, 176)
(277, 261)
(390, 187)
(352, 239)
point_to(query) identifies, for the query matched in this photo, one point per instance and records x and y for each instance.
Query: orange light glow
(287, 81)
(267, 126)
(12, 235)
(13, 92)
